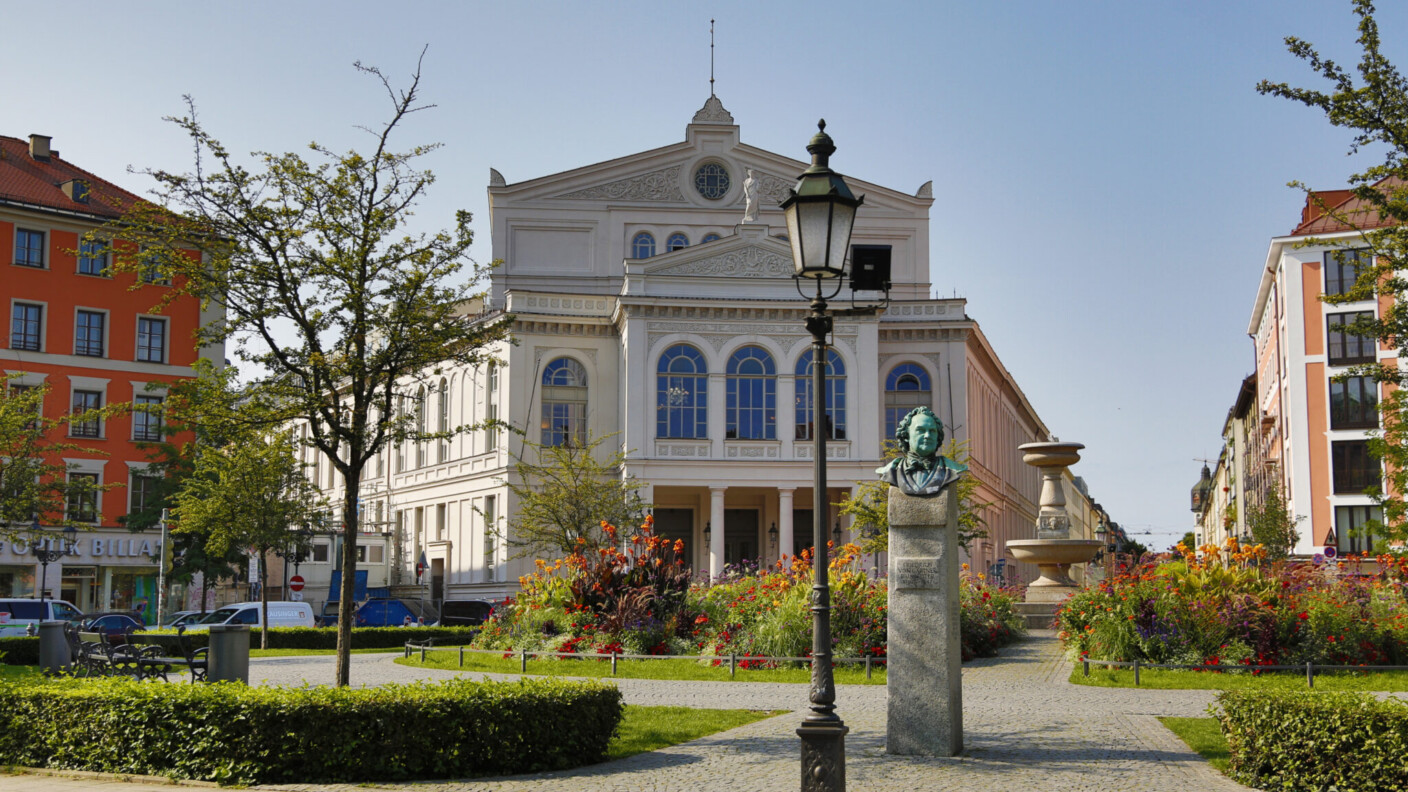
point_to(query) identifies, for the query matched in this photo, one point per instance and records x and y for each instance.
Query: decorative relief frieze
(833, 450)
(749, 451)
(747, 263)
(773, 189)
(661, 185)
(918, 310)
(681, 449)
(585, 306)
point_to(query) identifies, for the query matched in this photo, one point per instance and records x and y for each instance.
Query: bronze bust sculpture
(921, 470)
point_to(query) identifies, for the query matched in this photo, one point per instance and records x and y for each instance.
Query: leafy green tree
(565, 492)
(340, 307)
(1273, 525)
(1371, 100)
(869, 504)
(249, 493)
(34, 480)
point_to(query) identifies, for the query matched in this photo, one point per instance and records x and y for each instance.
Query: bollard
(613, 664)
(422, 653)
(523, 661)
(867, 666)
(229, 653)
(1136, 673)
(461, 657)
(1085, 663)
(54, 655)
(1309, 675)
(732, 663)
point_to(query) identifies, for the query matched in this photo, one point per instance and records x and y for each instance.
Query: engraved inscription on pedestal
(918, 573)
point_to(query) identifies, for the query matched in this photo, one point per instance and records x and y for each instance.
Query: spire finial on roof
(711, 57)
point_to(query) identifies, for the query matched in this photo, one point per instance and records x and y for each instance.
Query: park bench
(97, 654)
(158, 654)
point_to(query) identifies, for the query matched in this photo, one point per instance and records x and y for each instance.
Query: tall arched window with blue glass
(906, 387)
(564, 403)
(834, 418)
(681, 405)
(752, 395)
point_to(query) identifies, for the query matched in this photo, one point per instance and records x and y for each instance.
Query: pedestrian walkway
(1025, 726)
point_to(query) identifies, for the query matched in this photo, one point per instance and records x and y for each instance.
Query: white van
(17, 615)
(281, 614)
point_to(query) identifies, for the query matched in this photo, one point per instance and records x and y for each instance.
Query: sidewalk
(1025, 726)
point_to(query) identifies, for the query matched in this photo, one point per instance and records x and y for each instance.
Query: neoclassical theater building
(648, 311)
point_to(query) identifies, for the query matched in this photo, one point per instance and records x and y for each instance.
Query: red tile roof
(1332, 211)
(39, 183)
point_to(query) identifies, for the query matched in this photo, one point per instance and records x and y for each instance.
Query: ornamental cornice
(712, 112)
(752, 262)
(563, 327)
(660, 185)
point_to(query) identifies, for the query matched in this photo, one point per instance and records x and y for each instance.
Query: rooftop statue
(921, 470)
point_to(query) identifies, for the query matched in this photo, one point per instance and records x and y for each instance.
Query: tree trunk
(347, 605)
(264, 599)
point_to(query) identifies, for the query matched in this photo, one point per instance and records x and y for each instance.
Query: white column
(785, 542)
(716, 537)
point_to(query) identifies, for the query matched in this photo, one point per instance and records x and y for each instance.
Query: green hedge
(20, 650)
(235, 734)
(24, 650)
(1351, 742)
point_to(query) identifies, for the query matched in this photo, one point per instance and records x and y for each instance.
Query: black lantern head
(820, 213)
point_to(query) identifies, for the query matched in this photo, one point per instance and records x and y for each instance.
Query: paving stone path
(1025, 726)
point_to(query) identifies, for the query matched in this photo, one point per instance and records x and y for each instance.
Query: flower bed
(640, 601)
(1232, 608)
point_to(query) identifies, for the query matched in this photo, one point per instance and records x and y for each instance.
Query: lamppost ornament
(41, 546)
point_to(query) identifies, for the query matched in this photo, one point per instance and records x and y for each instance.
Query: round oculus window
(711, 180)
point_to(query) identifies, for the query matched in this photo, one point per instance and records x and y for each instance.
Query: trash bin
(229, 653)
(54, 655)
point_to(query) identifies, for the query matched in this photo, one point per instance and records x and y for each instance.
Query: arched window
(491, 407)
(564, 403)
(443, 424)
(681, 384)
(906, 387)
(677, 241)
(643, 245)
(752, 395)
(420, 427)
(709, 237)
(834, 426)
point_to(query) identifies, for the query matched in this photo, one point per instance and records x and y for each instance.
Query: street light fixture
(44, 551)
(820, 213)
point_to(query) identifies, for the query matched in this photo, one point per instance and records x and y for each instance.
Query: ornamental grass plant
(1228, 606)
(635, 596)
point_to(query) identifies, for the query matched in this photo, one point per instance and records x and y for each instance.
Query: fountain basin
(1054, 454)
(1054, 558)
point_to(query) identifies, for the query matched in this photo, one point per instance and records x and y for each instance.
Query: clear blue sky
(1105, 165)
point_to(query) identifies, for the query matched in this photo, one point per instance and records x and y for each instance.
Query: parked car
(180, 618)
(281, 614)
(115, 625)
(465, 613)
(16, 615)
(385, 612)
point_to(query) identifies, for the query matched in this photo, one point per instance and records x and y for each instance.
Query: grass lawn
(1164, 679)
(1203, 736)
(675, 668)
(12, 673)
(302, 652)
(651, 728)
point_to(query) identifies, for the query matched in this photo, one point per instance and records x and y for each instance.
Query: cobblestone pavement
(1024, 726)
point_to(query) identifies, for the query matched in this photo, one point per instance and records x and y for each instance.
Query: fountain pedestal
(1053, 551)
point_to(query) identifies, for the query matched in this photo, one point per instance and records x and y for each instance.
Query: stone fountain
(1053, 551)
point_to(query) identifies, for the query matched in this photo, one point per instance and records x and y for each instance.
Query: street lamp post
(43, 550)
(820, 213)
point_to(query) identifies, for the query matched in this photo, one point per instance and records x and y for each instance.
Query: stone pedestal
(925, 682)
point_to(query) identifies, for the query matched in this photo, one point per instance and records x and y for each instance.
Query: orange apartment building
(1313, 436)
(95, 340)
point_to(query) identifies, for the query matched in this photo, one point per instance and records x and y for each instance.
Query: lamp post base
(823, 756)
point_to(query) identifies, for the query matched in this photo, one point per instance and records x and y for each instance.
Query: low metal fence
(735, 661)
(1309, 668)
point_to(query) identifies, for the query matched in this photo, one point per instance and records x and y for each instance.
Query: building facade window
(642, 245)
(27, 327)
(420, 427)
(141, 492)
(1354, 403)
(491, 407)
(151, 340)
(834, 418)
(1345, 346)
(751, 399)
(83, 497)
(677, 241)
(93, 258)
(442, 423)
(86, 401)
(682, 384)
(149, 270)
(491, 532)
(29, 248)
(711, 180)
(710, 237)
(1355, 469)
(564, 403)
(146, 419)
(1342, 268)
(907, 386)
(1354, 536)
(88, 335)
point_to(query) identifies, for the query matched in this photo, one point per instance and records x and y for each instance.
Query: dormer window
(76, 190)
